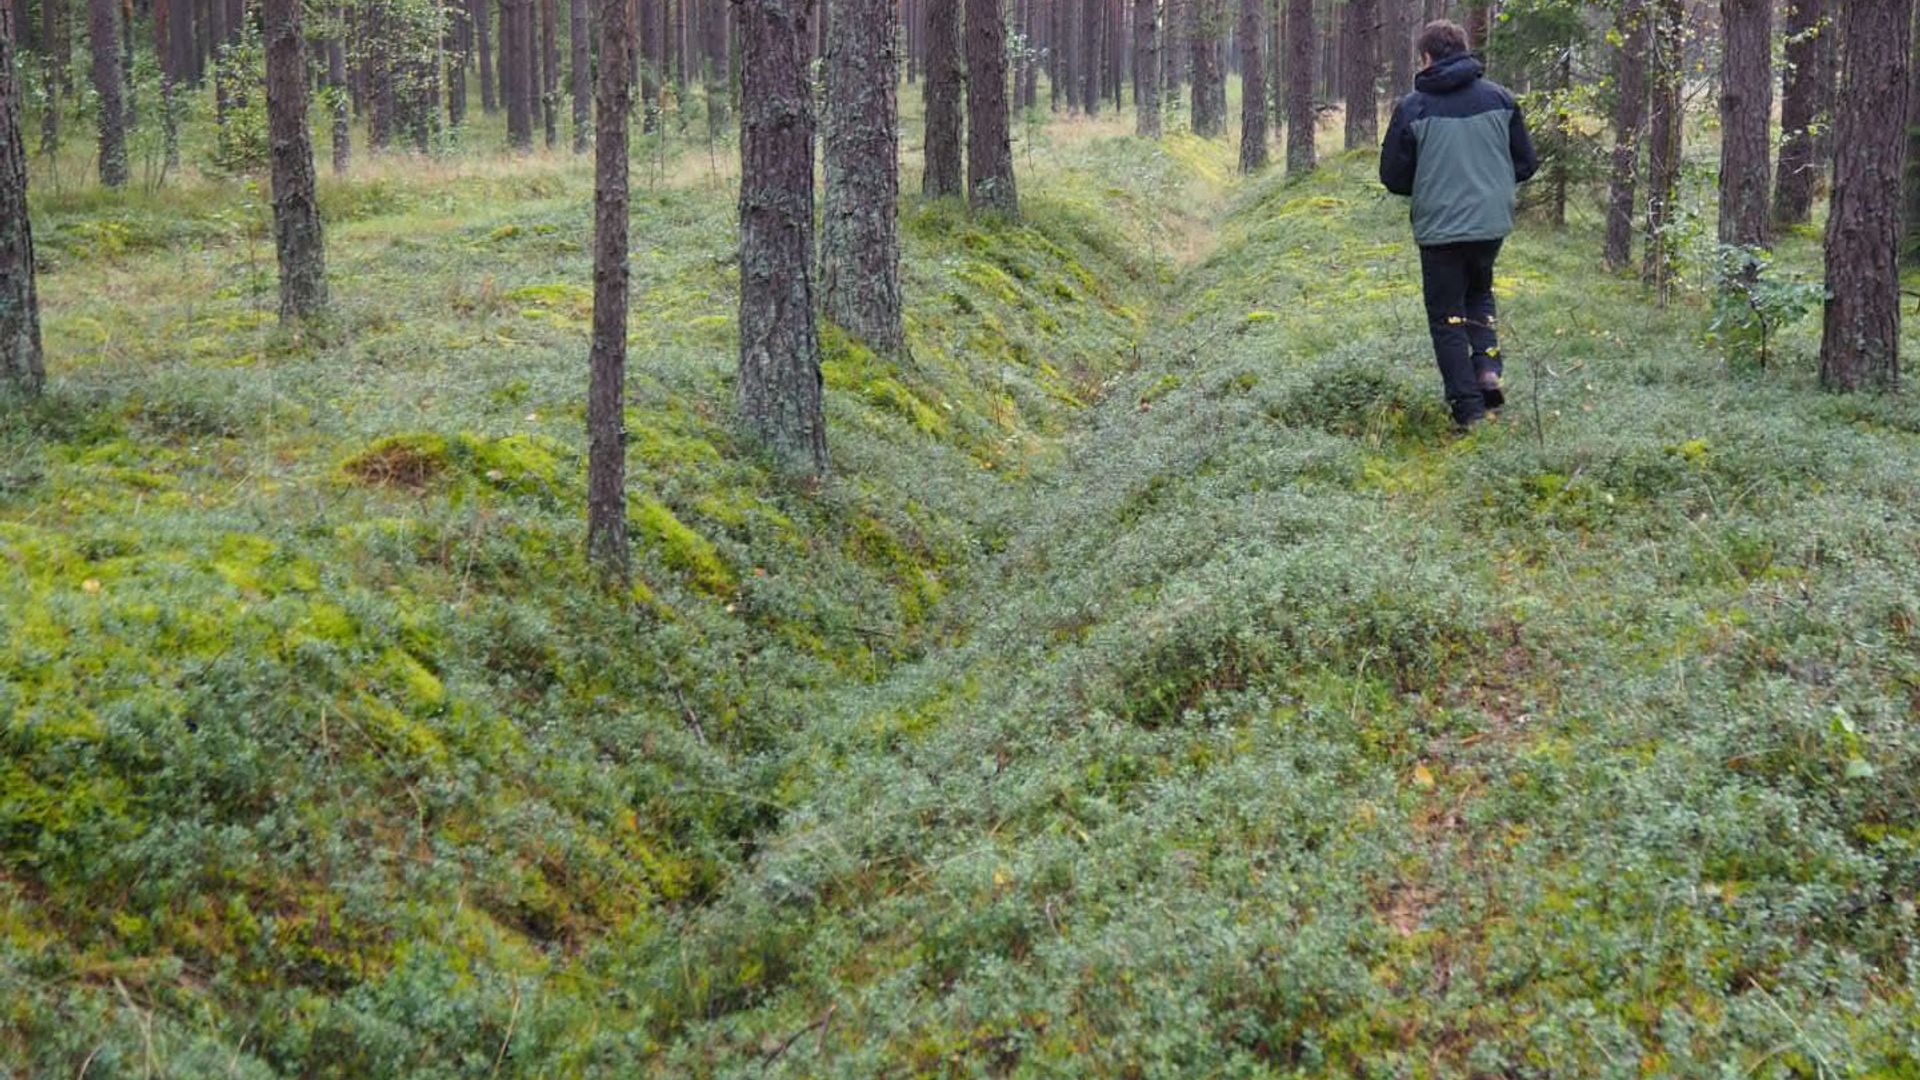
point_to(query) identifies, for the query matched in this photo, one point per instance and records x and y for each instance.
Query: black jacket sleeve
(1400, 152)
(1525, 161)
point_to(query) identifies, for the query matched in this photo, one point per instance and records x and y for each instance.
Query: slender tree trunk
(1175, 51)
(607, 546)
(53, 67)
(1800, 102)
(1090, 55)
(480, 11)
(1910, 239)
(550, 71)
(337, 79)
(1860, 347)
(780, 385)
(717, 90)
(1479, 25)
(580, 41)
(108, 82)
(1253, 89)
(1209, 93)
(381, 94)
(130, 105)
(1399, 47)
(1030, 66)
(652, 49)
(1746, 105)
(1301, 121)
(1629, 114)
(515, 80)
(1146, 67)
(1361, 49)
(945, 87)
(21, 365)
(860, 242)
(297, 237)
(170, 19)
(456, 34)
(990, 184)
(1057, 24)
(1663, 141)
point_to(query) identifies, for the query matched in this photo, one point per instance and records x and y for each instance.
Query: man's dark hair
(1442, 39)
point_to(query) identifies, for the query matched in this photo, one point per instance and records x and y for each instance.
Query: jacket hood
(1446, 76)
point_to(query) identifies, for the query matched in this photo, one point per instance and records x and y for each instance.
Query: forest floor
(1157, 688)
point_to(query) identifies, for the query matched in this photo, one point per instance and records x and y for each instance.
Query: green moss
(683, 549)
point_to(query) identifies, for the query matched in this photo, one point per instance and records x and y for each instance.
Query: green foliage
(1753, 305)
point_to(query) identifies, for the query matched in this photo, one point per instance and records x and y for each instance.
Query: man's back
(1458, 146)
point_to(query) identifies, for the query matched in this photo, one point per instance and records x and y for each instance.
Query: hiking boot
(1490, 391)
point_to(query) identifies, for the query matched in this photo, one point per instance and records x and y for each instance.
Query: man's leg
(1443, 272)
(1481, 321)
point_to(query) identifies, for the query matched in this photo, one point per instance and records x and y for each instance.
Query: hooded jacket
(1459, 146)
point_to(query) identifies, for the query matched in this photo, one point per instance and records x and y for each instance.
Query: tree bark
(780, 385)
(1629, 114)
(1663, 139)
(581, 44)
(607, 548)
(455, 34)
(945, 85)
(652, 50)
(714, 49)
(1090, 56)
(21, 365)
(1910, 240)
(1253, 89)
(1746, 106)
(1860, 345)
(1301, 121)
(53, 70)
(480, 11)
(1146, 69)
(550, 70)
(337, 79)
(1175, 53)
(860, 241)
(1479, 25)
(1398, 44)
(990, 184)
(1361, 51)
(1802, 100)
(513, 73)
(108, 83)
(1208, 98)
(297, 237)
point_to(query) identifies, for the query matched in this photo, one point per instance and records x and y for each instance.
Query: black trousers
(1458, 282)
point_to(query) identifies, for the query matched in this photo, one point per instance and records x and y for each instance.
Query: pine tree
(607, 547)
(297, 238)
(1860, 346)
(990, 184)
(1301, 118)
(109, 84)
(945, 87)
(1253, 89)
(582, 72)
(1746, 105)
(1803, 98)
(860, 243)
(1146, 69)
(21, 365)
(780, 384)
(1665, 123)
(1360, 51)
(1629, 115)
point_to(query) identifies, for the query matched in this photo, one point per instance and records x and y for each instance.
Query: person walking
(1459, 146)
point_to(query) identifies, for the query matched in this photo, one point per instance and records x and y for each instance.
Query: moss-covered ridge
(323, 756)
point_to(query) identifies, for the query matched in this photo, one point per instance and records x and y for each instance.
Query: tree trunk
(1399, 47)
(1629, 113)
(1479, 25)
(454, 36)
(337, 79)
(1910, 240)
(1057, 28)
(108, 82)
(1253, 89)
(550, 70)
(21, 365)
(714, 38)
(580, 41)
(652, 49)
(1090, 56)
(1030, 62)
(381, 52)
(1175, 53)
(780, 385)
(945, 85)
(607, 546)
(297, 238)
(1146, 69)
(514, 74)
(480, 11)
(1663, 139)
(860, 242)
(1209, 94)
(1860, 346)
(1361, 51)
(1301, 120)
(1746, 105)
(990, 183)
(53, 72)
(173, 42)
(1800, 104)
